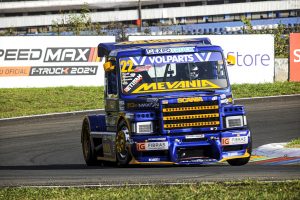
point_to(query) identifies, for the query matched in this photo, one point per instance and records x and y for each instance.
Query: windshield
(166, 73)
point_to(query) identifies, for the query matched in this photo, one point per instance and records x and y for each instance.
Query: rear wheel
(122, 139)
(87, 145)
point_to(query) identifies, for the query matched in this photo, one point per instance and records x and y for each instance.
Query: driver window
(111, 83)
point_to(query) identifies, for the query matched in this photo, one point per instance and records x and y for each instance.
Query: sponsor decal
(132, 105)
(235, 140)
(175, 86)
(133, 83)
(142, 68)
(189, 99)
(152, 51)
(127, 63)
(152, 146)
(194, 136)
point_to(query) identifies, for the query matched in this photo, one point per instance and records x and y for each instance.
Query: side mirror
(108, 66)
(230, 60)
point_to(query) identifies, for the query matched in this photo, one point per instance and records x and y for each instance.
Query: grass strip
(31, 101)
(265, 89)
(225, 191)
(295, 143)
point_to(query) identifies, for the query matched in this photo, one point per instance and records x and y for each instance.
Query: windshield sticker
(175, 86)
(142, 68)
(153, 51)
(127, 77)
(180, 58)
(133, 83)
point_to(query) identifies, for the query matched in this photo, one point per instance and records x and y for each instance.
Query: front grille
(191, 115)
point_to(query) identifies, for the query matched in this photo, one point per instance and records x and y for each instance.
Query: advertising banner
(295, 57)
(254, 55)
(50, 61)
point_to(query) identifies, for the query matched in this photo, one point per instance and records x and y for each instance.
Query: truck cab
(166, 102)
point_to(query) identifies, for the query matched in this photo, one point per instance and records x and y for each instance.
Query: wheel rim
(121, 142)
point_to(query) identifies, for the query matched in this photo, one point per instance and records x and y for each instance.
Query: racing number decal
(126, 64)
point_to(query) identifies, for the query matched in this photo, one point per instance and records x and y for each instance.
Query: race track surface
(47, 151)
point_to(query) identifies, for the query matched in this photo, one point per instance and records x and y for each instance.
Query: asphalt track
(47, 151)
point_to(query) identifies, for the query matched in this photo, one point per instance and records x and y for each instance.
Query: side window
(112, 83)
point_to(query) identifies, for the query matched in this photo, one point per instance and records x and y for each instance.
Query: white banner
(49, 61)
(254, 55)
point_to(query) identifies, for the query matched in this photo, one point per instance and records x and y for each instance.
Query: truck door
(111, 99)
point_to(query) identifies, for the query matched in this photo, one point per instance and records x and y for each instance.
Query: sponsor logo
(165, 59)
(152, 51)
(52, 54)
(175, 86)
(133, 83)
(20, 54)
(294, 71)
(225, 141)
(152, 146)
(153, 104)
(189, 99)
(250, 59)
(235, 140)
(142, 68)
(297, 55)
(48, 71)
(53, 71)
(14, 71)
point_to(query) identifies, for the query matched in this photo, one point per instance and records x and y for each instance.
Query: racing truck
(166, 102)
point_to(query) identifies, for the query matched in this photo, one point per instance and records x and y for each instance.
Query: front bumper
(196, 148)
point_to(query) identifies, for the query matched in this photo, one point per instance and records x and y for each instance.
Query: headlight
(143, 127)
(236, 121)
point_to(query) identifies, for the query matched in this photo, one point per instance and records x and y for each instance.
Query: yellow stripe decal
(191, 116)
(190, 108)
(192, 124)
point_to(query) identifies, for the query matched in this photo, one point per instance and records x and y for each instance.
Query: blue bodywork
(206, 142)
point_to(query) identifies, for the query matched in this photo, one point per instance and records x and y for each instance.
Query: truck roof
(142, 46)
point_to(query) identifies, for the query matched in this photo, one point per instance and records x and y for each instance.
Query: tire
(239, 161)
(242, 161)
(87, 145)
(123, 154)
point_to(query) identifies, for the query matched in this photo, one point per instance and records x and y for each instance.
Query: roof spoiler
(105, 48)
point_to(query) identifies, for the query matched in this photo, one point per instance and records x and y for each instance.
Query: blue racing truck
(166, 102)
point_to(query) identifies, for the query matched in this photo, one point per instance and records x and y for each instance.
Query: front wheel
(239, 161)
(242, 161)
(122, 139)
